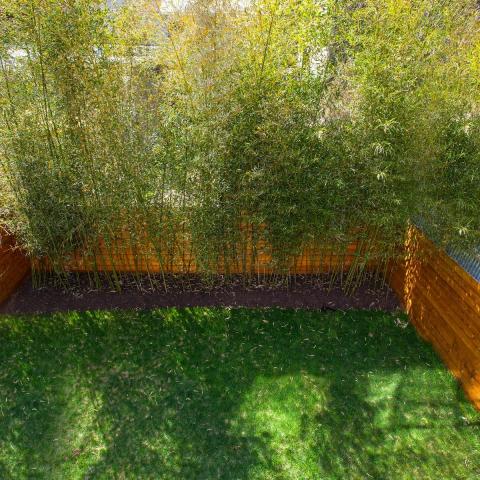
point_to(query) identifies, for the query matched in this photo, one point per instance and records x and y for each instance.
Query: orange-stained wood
(443, 302)
(123, 256)
(14, 266)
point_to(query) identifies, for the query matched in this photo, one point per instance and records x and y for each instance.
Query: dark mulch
(301, 292)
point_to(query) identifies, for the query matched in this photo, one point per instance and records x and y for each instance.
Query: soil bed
(137, 293)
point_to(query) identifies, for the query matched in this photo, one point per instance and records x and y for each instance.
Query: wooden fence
(14, 266)
(443, 302)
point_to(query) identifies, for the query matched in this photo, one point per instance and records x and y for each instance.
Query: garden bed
(313, 292)
(229, 394)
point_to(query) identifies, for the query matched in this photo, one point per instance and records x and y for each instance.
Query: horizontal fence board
(453, 305)
(448, 265)
(119, 256)
(452, 335)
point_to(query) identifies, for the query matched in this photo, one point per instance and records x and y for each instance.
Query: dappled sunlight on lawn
(282, 411)
(228, 394)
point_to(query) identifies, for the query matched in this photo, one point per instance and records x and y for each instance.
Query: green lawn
(229, 394)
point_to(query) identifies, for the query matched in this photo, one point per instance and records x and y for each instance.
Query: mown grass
(228, 394)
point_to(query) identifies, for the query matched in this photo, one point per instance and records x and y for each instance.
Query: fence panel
(443, 302)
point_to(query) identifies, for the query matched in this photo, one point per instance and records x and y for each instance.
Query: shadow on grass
(227, 394)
